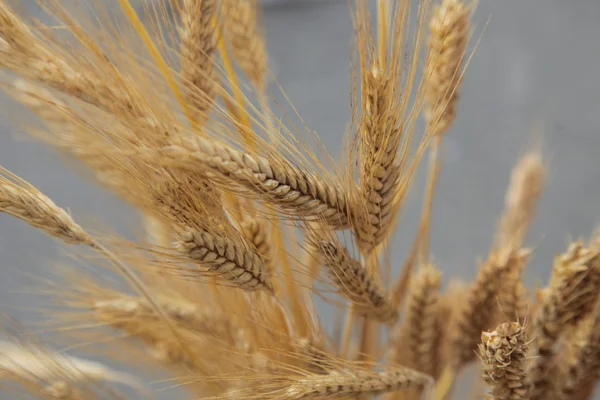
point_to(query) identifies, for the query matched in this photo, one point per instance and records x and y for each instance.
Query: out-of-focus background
(534, 71)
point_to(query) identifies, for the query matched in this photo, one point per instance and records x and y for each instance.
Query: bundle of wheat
(246, 224)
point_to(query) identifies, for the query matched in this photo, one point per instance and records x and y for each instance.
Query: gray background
(536, 65)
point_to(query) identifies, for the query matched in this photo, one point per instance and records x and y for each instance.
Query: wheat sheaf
(247, 222)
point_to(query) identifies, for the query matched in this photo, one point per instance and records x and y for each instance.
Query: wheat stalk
(255, 232)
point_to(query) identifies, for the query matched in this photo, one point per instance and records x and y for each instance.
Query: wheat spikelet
(356, 283)
(231, 259)
(198, 48)
(421, 331)
(23, 201)
(504, 361)
(256, 233)
(247, 43)
(569, 298)
(450, 30)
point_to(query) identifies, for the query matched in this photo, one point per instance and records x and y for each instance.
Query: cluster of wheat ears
(246, 221)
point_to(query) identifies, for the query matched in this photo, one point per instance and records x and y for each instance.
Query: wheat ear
(28, 362)
(355, 282)
(522, 197)
(30, 57)
(23, 201)
(247, 42)
(355, 383)
(63, 391)
(232, 259)
(93, 80)
(450, 31)
(380, 172)
(583, 368)
(479, 310)
(421, 331)
(570, 297)
(67, 133)
(503, 354)
(198, 49)
(272, 179)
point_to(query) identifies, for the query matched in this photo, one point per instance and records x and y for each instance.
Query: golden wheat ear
(198, 50)
(582, 362)
(23, 201)
(385, 129)
(272, 180)
(569, 298)
(505, 366)
(26, 364)
(353, 280)
(242, 32)
(418, 343)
